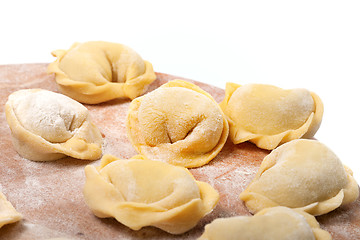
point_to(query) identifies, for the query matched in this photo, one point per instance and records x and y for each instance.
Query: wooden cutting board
(49, 194)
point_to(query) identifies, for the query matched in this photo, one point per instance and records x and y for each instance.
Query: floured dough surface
(278, 223)
(54, 117)
(47, 126)
(49, 194)
(178, 123)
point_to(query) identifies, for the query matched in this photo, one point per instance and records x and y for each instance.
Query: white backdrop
(307, 44)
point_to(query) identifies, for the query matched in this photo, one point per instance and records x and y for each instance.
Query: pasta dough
(95, 72)
(141, 192)
(8, 214)
(278, 223)
(48, 126)
(268, 116)
(178, 123)
(302, 174)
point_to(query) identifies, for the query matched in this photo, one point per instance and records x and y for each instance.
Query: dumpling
(48, 126)
(278, 223)
(8, 214)
(178, 123)
(269, 116)
(95, 72)
(302, 174)
(139, 192)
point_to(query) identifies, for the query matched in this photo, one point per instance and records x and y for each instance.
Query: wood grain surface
(49, 194)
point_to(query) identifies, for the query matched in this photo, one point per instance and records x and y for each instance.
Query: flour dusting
(50, 115)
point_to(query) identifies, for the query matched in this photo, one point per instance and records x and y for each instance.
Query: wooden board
(49, 194)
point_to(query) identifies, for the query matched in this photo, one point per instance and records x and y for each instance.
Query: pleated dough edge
(36, 148)
(132, 123)
(269, 142)
(138, 215)
(87, 92)
(255, 202)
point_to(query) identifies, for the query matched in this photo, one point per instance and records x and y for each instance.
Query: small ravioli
(269, 116)
(178, 123)
(48, 126)
(8, 214)
(302, 174)
(139, 192)
(95, 72)
(278, 223)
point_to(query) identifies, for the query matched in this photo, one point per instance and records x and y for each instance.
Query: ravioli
(178, 123)
(95, 72)
(302, 174)
(269, 116)
(8, 214)
(278, 223)
(47, 126)
(139, 192)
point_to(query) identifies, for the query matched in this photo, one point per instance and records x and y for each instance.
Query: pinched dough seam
(269, 142)
(256, 201)
(89, 92)
(45, 150)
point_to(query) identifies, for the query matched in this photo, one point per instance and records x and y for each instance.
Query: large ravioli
(178, 123)
(302, 174)
(139, 192)
(47, 126)
(95, 72)
(277, 223)
(269, 116)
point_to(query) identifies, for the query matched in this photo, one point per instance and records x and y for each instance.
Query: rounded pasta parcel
(269, 116)
(47, 126)
(139, 192)
(95, 72)
(302, 174)
(178, 123)
(277, 223)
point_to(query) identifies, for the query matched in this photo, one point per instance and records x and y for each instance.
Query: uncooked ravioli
(139, 192)
(302, 174)
(277, 223)
(178, 123)
(8, 214)
(269, 116)
(95, 72)
(48, 126)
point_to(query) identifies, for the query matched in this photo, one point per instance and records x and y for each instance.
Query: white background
(307, 44)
